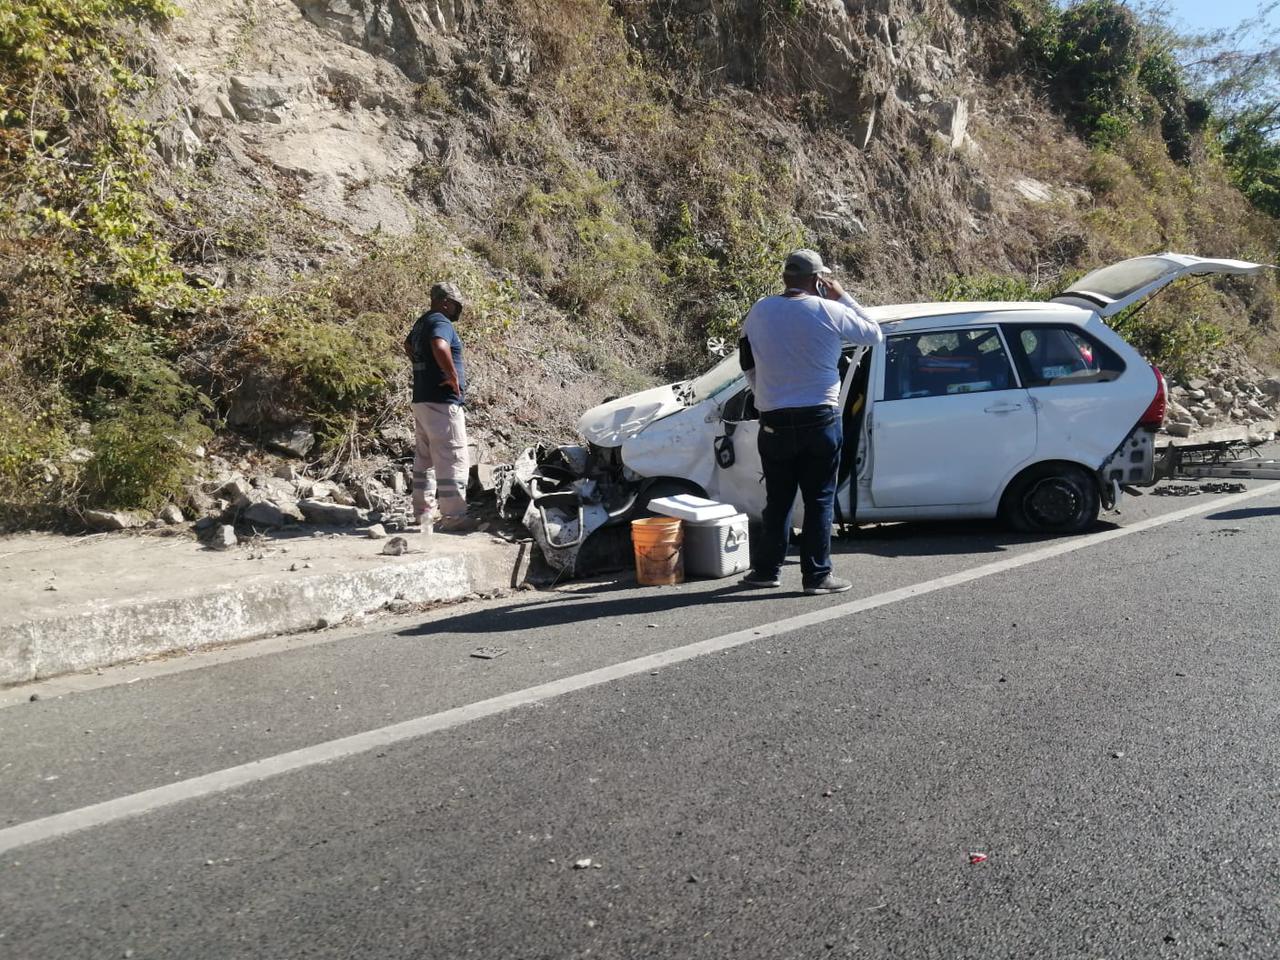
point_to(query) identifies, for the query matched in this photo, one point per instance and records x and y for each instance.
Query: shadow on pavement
(583, 606)
(940, 538)
(1245, 513)
(587, 603)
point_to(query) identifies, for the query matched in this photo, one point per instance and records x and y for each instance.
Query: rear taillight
(1153, 419)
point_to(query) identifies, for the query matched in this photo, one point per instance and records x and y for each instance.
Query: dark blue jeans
(799, 449)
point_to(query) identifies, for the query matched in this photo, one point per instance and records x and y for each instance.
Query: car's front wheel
(1052, 498)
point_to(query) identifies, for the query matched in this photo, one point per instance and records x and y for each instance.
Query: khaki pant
(440, 467)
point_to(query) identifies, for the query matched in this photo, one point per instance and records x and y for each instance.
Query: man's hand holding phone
(829, 287)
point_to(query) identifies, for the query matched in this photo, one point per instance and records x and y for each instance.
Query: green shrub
(91, 294)
(328, 348)
(992, 287)
(582, 247)
(725, 243)
(31, 444)
(141, 459)
(1180, 343)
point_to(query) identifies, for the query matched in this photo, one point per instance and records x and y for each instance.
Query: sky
(1213, 14)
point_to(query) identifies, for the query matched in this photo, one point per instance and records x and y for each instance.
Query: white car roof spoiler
(1111, 289)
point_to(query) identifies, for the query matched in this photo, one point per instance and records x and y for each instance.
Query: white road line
(121, 808)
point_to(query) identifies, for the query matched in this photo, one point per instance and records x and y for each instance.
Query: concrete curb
(44, 648)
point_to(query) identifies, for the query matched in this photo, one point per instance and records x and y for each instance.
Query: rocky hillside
(220, 218)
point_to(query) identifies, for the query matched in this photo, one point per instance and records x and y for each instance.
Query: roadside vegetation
(635, 204)
(93, 407)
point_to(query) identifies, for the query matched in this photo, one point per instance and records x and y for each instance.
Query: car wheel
(1052, 498)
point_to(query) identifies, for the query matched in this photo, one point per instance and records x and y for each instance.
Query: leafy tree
(1252, 150)
(1236, 68)
(1236, 72)
(1107, 68)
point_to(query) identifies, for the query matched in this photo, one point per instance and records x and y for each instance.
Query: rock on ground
(333, 514)
(294, 442)
(111, 520)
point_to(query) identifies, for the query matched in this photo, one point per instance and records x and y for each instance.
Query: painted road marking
(121, 808)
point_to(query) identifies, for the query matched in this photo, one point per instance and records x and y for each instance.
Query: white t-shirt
(796, 342)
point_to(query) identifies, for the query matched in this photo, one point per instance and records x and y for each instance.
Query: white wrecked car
(1035, 412)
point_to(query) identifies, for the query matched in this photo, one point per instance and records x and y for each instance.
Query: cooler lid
(692, 509)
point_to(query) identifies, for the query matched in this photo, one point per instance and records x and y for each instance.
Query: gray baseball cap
(803, 262)
(449, 291)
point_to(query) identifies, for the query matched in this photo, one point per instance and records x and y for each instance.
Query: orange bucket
(659, 557)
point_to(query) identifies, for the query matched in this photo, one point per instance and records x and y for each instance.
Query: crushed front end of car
(565, 497)
(576, 501)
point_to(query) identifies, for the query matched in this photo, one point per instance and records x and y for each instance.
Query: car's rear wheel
(1052, 498)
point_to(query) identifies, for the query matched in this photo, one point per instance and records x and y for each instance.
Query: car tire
(1051, 498)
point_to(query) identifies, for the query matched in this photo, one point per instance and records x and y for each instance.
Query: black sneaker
(829, 584)
(754, 579)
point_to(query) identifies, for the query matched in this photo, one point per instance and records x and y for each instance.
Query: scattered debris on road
(488, 653)
(1194, 490)
(977, 856)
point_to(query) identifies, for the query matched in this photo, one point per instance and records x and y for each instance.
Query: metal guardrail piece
(1228, 460)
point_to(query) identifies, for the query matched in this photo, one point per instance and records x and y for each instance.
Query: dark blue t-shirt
(427, 376)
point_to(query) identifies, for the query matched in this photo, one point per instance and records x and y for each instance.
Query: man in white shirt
(790, 350)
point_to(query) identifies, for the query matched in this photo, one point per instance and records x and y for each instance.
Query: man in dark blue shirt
(440, 467)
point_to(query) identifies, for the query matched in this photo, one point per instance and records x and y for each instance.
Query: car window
(1119, 279)
(946, 362)
(1061, 355)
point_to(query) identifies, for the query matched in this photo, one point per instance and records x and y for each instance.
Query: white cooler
(716, 540)
(716, 548)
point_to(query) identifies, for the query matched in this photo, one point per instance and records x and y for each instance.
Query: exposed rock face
(413, 36)
(320, 90)
(326, 92)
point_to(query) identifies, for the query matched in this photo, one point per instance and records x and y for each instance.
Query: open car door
(1111, 289)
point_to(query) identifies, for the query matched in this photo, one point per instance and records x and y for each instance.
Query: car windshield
(715, 381)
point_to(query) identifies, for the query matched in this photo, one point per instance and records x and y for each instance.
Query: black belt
(798, 416)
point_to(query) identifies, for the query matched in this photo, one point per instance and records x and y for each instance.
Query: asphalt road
(1100, 723)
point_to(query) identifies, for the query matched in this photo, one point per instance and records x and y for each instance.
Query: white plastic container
(691, 509)
(717, 548)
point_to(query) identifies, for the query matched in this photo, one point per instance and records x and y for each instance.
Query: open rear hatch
(1111, 289)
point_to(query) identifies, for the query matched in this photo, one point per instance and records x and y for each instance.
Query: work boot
(829, 584)
(759, 580)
